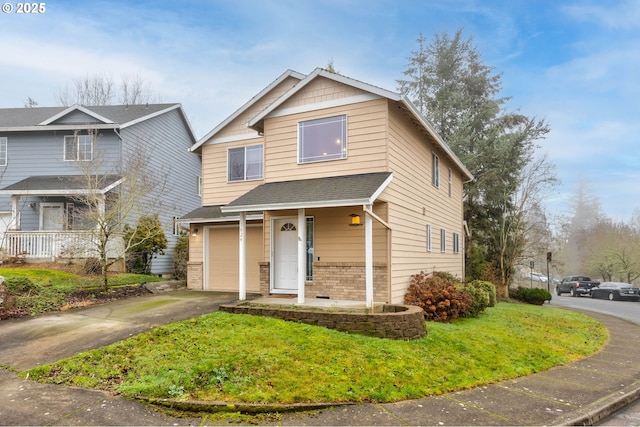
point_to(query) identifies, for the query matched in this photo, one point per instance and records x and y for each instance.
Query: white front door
(285, 274)
(52, 216)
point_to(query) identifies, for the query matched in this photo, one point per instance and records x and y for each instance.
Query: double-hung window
(456, 243)
(322, 139)
(3, 151)
(428, 237)
(435, 168)
(245, 163)
(443, 240)
(78, 148)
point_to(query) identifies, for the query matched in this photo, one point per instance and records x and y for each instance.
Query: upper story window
(78, 147)
(245, 163)
(3, 151)
(435, 168)
(322, 139)
(450, 183)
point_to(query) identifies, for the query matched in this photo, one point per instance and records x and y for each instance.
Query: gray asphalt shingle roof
(306, 193)
(120, 114)
(54, 184)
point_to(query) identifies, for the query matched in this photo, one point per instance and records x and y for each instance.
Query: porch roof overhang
(336, 191)
(63, 185)
(206, 214)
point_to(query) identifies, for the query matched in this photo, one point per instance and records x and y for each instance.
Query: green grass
(243, 358)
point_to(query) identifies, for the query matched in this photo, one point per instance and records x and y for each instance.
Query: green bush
(530, 295)
(181, 256)
(437, 294)
(479, 299)
(489, 287)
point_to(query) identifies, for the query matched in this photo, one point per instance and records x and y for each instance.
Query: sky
(573, 63)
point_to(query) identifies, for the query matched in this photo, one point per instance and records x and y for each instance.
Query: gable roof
(103, 117)
(61, 185)
(402, 100)
(247, 105)
(335, 191)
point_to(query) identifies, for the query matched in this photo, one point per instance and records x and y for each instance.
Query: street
(629, 416)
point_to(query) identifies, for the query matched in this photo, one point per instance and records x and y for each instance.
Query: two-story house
(47, 155)
(322, 186)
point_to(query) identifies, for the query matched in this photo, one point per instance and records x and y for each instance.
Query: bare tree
(524, 230)
(117, 198)
(99, 89)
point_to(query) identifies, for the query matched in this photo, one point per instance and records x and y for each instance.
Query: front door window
(52, 216)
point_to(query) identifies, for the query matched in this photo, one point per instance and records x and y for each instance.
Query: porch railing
(54, 244)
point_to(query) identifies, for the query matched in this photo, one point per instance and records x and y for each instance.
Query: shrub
(489, 287)
(530, 295)
(146, 241)
(479, 299)
(438, 296)
(181, 256)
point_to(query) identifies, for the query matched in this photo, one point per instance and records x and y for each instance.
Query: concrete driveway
(29, 342)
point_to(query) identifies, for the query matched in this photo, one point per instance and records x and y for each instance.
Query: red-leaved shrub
(438, 296)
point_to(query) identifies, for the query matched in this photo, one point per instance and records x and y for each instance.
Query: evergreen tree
(459, 95)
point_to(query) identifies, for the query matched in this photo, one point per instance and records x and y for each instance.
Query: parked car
(616, 291)
(576, 286)
(538, 277)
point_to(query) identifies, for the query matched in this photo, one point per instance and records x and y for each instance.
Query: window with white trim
(456, 243)
(435, 170)
(323, 139)
(78, 147)
(450, 183)
(245, 163)
(443, 240)
(199, 186)
(428, 237)
(3, 151)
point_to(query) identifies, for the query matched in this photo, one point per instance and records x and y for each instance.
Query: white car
(538, 277)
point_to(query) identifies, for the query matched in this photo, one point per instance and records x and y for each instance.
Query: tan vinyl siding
(223, 258)
(415, 202)
(238, 126)
(215, 188)
(321, 90)
(366, 143)
(334, 239)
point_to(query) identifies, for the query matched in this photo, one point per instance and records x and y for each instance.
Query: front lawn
(243, 358)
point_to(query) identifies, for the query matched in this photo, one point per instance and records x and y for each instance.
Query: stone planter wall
(395, 321)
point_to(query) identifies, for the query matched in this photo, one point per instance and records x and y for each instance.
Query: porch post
(368, 257)
(242, 257)
(302, 252)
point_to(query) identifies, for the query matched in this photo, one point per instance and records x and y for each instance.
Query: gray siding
(42, 153)
(169, 156)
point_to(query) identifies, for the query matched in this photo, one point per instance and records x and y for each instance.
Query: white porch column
(242, 257)
(302, 254)
(368, 257)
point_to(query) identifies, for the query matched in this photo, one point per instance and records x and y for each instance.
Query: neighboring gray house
(43, 157)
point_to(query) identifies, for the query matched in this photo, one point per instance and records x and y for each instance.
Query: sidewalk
(577, 393)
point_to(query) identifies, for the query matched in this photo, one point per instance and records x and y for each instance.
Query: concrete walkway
(578, 393)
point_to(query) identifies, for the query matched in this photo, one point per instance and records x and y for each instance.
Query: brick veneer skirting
(194, 275)
(395, 321)
(338, 280)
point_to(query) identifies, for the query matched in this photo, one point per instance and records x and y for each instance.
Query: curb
(605, 407)
(246, 408)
